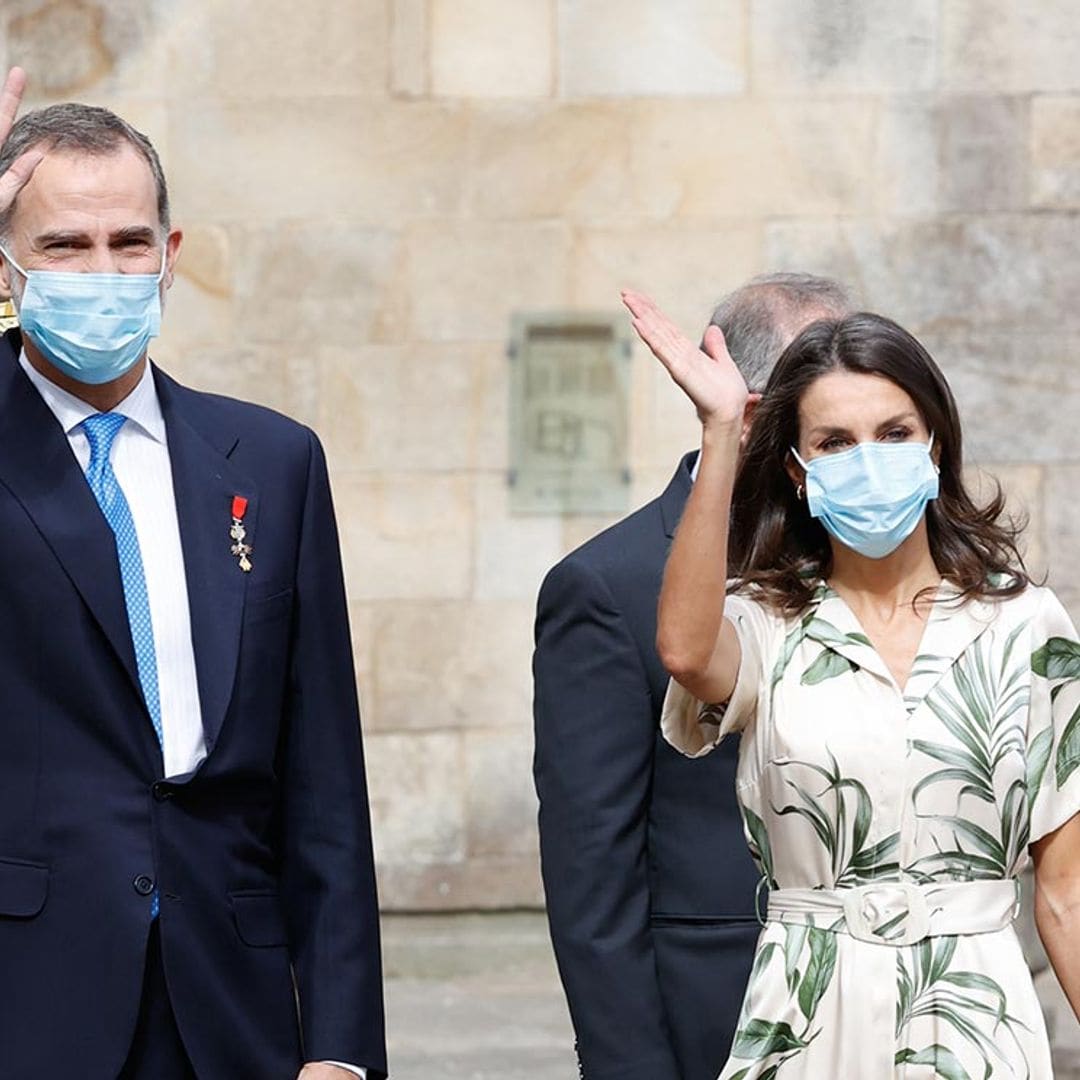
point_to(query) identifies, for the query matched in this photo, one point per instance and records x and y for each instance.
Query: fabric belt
(900, 912)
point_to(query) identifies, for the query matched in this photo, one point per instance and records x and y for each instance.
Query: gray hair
(83, 129)
(762, 317)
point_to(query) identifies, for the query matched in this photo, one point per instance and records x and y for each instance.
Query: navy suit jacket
(262, 857)
(649, 883)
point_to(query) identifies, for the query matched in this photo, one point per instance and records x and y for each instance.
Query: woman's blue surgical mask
(92, 327)
(872, 496)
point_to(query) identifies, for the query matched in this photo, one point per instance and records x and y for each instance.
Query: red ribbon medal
(238, 533)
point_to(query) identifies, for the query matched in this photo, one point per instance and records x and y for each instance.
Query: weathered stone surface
(401, 408)
(907, 158)
(1019, 395)
(409, 48)
(73, 46)
(465, 885)
(409, 776)
(984, 153)
(1006, 47)
(495, 268)
(685, 266)
(831, 46)
(320, 284)
(500, 799)
(1055, 151)
(333, 159)
(627, 48)
(753, 157)
(449, 665)
(266, 375)
(198, 309)
(545, 160)
(267, 49)
(491, 49)
(1063, 532)
(963, 152)
(513, 551)
(980, 273)
(405, 536)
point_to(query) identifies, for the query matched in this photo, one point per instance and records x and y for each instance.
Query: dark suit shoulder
(622, 552)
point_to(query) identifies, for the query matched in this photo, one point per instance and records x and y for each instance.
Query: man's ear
(5, 279)
(172, 253)
(752, 403)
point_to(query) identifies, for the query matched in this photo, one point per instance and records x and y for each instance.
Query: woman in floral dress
(908, 705)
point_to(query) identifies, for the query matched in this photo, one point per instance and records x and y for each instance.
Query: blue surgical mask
(92, 327)
(872, 496)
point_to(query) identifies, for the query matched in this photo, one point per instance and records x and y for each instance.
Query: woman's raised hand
(708, 376)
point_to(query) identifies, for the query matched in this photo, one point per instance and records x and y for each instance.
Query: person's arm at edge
(595, 737)
(1057, 904)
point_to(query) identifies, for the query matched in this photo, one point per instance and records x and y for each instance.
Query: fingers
(10, 99)
(663, 337)
(15, 179)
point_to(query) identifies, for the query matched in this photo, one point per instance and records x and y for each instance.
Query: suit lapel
(38, 467)
(205, 482)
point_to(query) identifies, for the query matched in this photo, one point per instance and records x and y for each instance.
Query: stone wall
(370, 188)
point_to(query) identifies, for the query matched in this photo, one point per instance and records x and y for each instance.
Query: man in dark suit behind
(650, 887)
(186, 877)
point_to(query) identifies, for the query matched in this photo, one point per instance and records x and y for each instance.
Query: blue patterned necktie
(101, 429)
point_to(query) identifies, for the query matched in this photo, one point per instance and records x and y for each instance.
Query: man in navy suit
(649, 884)
(186, 874)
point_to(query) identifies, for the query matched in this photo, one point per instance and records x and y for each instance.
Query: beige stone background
(370, 188)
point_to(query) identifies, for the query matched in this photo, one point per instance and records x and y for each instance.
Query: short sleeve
(1053, 737)
(695, 727)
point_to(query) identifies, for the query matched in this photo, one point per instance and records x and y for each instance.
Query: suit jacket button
(161, 791)
(143, 885)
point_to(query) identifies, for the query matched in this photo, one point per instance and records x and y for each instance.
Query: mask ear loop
(929, 447)
(799, 490)
(7, 255)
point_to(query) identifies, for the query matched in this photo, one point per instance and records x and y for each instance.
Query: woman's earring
(799, 492)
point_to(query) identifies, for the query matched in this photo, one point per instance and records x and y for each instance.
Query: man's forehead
(71, 184)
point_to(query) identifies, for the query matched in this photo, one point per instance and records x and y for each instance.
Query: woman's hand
(708, 377)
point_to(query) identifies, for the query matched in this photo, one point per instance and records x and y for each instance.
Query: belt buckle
(892, 913)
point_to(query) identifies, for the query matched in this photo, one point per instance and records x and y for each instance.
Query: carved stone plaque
(569, 414)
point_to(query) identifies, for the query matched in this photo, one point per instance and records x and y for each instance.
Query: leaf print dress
(889, 827)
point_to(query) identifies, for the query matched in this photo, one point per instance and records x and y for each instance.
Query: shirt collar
(141, 406)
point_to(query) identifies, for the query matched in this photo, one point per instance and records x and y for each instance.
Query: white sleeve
(355, 1069)
(695, 727)
(1053, 736)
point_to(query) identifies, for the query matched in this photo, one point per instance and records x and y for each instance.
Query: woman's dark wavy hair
(782, 552)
